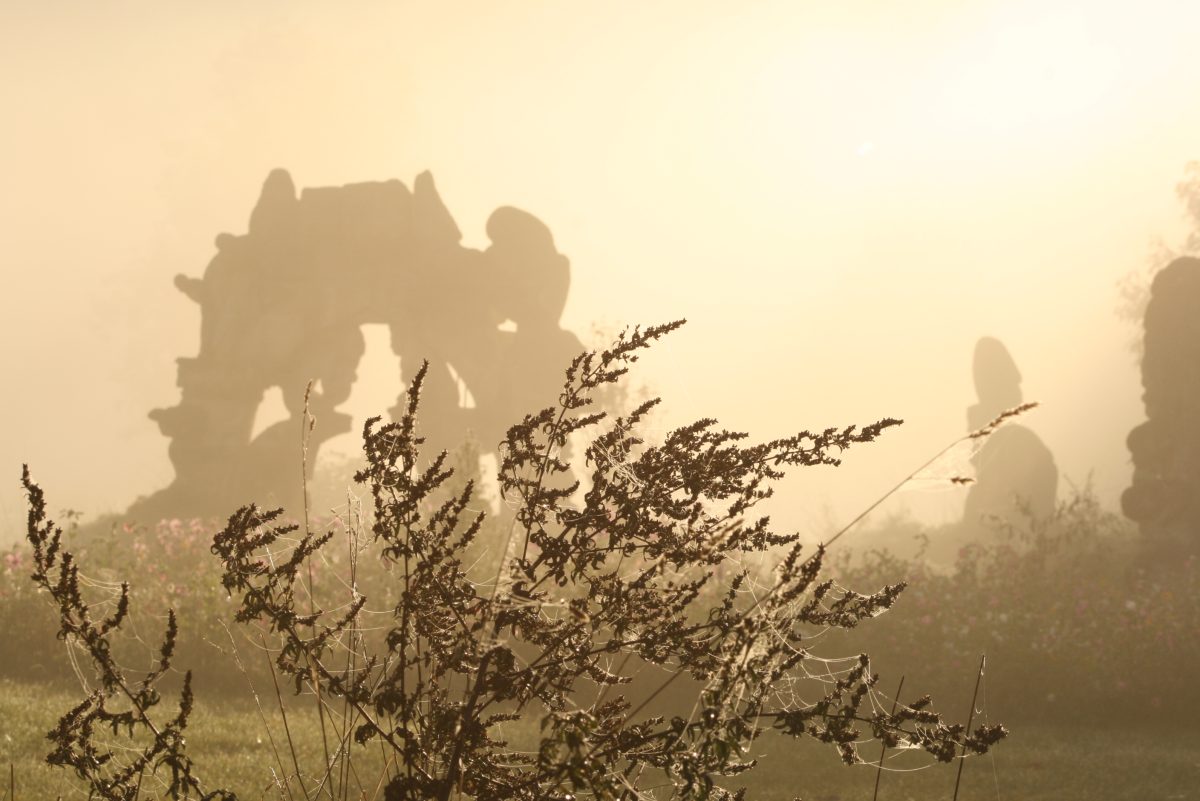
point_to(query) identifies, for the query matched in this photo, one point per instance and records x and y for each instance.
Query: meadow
(1040, 762)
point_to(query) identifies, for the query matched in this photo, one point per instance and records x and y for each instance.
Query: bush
(642, 572)
(1077, 619)
(173, 567)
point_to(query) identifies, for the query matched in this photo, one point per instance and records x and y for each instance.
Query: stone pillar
(1164, 498)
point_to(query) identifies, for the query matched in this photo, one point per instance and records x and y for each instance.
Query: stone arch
(285, 302)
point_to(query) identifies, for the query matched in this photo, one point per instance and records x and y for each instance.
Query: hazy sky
(841, 197)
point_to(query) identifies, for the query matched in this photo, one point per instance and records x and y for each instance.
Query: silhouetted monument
(1164, 498)
(1014, 470)
(284, 304)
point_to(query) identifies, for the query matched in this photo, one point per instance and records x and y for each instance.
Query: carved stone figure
(284, 303)
(1014, 470)
(1164, 498)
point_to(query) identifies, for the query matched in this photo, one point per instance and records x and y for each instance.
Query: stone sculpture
(284, 304)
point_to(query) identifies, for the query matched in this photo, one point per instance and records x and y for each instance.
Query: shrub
(1075, 617)
(593, 588)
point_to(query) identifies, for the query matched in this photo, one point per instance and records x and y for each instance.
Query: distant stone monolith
(1164, 498)
(1015, 472)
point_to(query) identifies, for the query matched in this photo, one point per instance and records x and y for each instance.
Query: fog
(841, 198)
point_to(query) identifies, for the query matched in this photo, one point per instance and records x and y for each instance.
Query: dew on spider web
(950, 471)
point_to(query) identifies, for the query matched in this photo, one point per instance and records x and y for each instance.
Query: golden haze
(842, 198)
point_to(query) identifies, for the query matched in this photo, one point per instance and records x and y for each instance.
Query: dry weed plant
(143, 749)
(527, 681)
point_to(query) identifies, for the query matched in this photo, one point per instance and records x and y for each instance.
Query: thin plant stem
(351, 652)
(307, 423)
(283, 714)
(981, 433)
(970, 718)
(883, 749)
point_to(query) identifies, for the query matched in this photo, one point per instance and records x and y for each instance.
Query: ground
(1040, 763)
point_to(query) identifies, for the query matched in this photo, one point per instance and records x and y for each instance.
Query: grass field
(232, 749)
